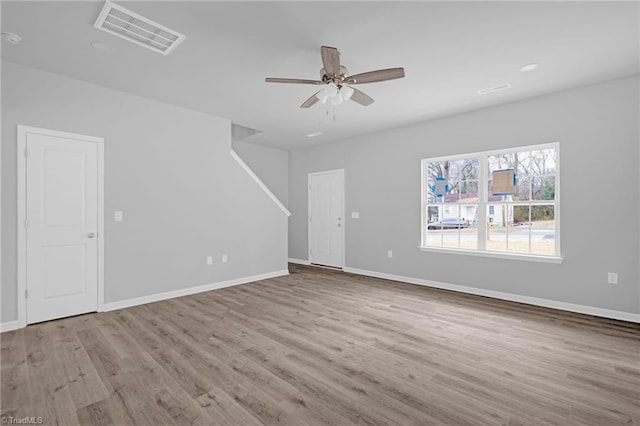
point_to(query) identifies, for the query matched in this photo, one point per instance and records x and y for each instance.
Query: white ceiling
(449, 50)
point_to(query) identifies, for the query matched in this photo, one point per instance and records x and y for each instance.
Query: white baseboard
(563, 306)
(112, 306)
(9, 325)
(299, 261)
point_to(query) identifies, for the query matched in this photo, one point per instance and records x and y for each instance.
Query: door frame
(344, 222)
(22, 132)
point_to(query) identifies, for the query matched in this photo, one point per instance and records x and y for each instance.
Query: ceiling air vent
(124, 23)
(488, 90)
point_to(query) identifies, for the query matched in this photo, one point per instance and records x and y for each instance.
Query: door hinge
(26, 153)
(26, 224)
(26, 294)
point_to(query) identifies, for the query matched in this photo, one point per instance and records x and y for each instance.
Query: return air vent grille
(124, 23)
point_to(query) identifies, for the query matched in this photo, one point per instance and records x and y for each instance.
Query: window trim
(483, 203)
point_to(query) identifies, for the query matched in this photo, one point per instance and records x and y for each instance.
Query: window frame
(483, 204)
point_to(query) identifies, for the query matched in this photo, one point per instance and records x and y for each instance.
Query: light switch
(355, 215)
(209, 260)
(119, 216)
(224, 258)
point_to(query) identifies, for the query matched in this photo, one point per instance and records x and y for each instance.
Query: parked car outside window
(451, 223)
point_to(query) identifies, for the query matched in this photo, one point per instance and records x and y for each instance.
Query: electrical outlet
(224, 258)
(118, 216)
(355, 215)
(389, 253)
(612, 278)
(209, 260)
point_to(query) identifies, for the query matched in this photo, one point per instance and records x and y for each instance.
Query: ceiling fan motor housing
(337, 79)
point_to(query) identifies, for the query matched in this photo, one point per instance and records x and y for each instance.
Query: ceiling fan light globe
(322, 96)
(346, 92)
(331, 90)
(337, 100)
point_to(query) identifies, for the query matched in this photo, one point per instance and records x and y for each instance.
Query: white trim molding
(121, 304)
(563, 306)
(22, 133)
(494, 254)
(260, 183)
(299, 261)
(10, 325)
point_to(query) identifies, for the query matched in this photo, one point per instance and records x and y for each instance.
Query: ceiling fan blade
(292, 80)
(311, 101)
(330, 60)
(374, 76)
(361, 98)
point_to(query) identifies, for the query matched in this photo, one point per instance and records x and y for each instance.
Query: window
(497, 202)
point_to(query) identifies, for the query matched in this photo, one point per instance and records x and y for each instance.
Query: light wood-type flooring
(324, 347)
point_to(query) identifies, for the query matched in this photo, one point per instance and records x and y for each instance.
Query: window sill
(495, 255)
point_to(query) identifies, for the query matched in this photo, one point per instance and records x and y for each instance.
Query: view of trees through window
(466, 214)
(452, 215)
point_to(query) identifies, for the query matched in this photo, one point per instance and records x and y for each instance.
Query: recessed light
(99, 45)
(314, 134)
(497, 88)
(11, 38)
(529, 67)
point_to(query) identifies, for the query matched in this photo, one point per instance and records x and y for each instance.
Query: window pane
(526, 165)
(469, 236)
(543, 238)
(496, 228)
(460, 176)
(433, 214)
(468, 190)
(523, 188)
(434, 238)
(542, 162)
(544, 187)
(452, 226)
(519, 231)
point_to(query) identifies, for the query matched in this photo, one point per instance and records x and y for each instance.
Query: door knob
(91, 235)
(339, 225)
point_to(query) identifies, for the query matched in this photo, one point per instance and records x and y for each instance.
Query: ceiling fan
(337, 82)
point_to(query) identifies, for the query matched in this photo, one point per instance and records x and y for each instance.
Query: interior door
(326, 218)
(61, 228)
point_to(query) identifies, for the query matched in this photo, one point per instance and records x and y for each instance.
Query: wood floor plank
(50, 395)
(14, 380)
(322, 347)
(74, 365)
(223, 409)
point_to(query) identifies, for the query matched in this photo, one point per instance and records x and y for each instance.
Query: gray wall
(169, 170)
(597, 127)
(271, 165)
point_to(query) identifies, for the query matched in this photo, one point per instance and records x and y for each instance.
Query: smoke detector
(142, 31)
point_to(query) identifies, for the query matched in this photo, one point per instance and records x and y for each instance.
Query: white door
(326, 218)
(61, 228)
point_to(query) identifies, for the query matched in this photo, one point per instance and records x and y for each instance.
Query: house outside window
(468, 212)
